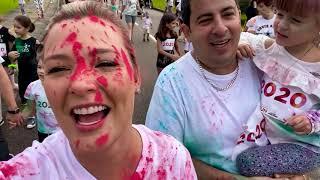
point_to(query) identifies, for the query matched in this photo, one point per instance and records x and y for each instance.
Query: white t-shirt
(289, 87)
(46, 122)
(207, 122)
(170, 2)
(260, 25)
(162, 157)
(147, 23)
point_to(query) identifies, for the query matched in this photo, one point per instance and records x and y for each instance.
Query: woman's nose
(82, 86)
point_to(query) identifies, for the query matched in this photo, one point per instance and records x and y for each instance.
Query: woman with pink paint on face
(90, 80)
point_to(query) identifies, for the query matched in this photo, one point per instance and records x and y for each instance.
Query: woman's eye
(106, 64)
(57, 69)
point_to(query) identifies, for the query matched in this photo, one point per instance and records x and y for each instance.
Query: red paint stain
(103, 81)
(93, 18)
(127, 64)
(80, 61)
(102, 23)
(113, 29)
(98, 97)
(162, 174)
(116, 60)
(136, 176)
(70, 38)
(8, 170)
(149, 160)
(93, 54)
(106, 33)
(63, 25)
(77, 143)
(103, 139)
(157, 133)
(77, 17)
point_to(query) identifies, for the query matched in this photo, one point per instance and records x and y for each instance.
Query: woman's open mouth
(90, 117)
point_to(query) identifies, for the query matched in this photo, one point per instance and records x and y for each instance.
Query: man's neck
(218, 69)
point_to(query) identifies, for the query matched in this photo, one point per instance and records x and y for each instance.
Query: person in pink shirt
(90, 79)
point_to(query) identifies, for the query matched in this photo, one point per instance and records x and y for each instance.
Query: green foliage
(7, 5)
(159, 4)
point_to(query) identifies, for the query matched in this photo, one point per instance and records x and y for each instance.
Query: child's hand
(245, 51)
(13, 54)
(300, 123)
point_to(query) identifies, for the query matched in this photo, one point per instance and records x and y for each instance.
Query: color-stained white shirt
(260, 25)
(162, 157)
(206, 121)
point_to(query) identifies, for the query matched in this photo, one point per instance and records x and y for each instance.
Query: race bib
(3, 49)
(168, 44)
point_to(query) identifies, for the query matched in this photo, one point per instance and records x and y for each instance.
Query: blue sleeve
(165, 113)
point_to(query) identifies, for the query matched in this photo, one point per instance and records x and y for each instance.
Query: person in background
(130, 10)
(38, 105)
(13, 113)
(147, 25)
(21, 5)
(251, 10)
(167, 44)
(91, 83)
(263, 23)
(24, 54)
(39, 5)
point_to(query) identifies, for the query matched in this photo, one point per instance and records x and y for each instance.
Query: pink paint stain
(117, 54)
(98, 97)
(93, 18)
(102, 23)
(149, 160)
(77, 17)
(70, 38)
(93, 54)
(113, 29)
(106, 33)
(8, 170)
(136, 176)
(77, 143)
(162, 174)
(103, 139)
(80, 61)
(63, 25)
(103, 81)
(127, 64)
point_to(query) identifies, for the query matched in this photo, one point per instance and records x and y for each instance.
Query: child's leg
(22, 9)
(147, 36)
(42, 136)
(277, 159)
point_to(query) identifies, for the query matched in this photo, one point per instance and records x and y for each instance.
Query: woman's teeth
(89, 110)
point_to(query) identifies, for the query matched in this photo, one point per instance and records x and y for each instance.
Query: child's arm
(177, 47)
(161, 51)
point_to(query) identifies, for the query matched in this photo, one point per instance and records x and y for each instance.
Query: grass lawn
(8, 5)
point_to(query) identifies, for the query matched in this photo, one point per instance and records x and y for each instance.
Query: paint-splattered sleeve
(29, 92)
(165, 112)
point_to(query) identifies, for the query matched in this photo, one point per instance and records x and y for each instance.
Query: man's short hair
(186, 11)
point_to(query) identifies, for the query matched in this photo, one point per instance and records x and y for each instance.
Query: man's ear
(186, 31)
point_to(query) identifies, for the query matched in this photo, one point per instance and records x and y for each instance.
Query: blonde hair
(80, 9)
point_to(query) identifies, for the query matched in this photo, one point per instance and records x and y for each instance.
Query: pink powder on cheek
(98, 97)
(70, 38)
(103, 81)
(80, 61)
(94, 19)
(102, 140)
(8, 170)
(117, 54)
(127, 64)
